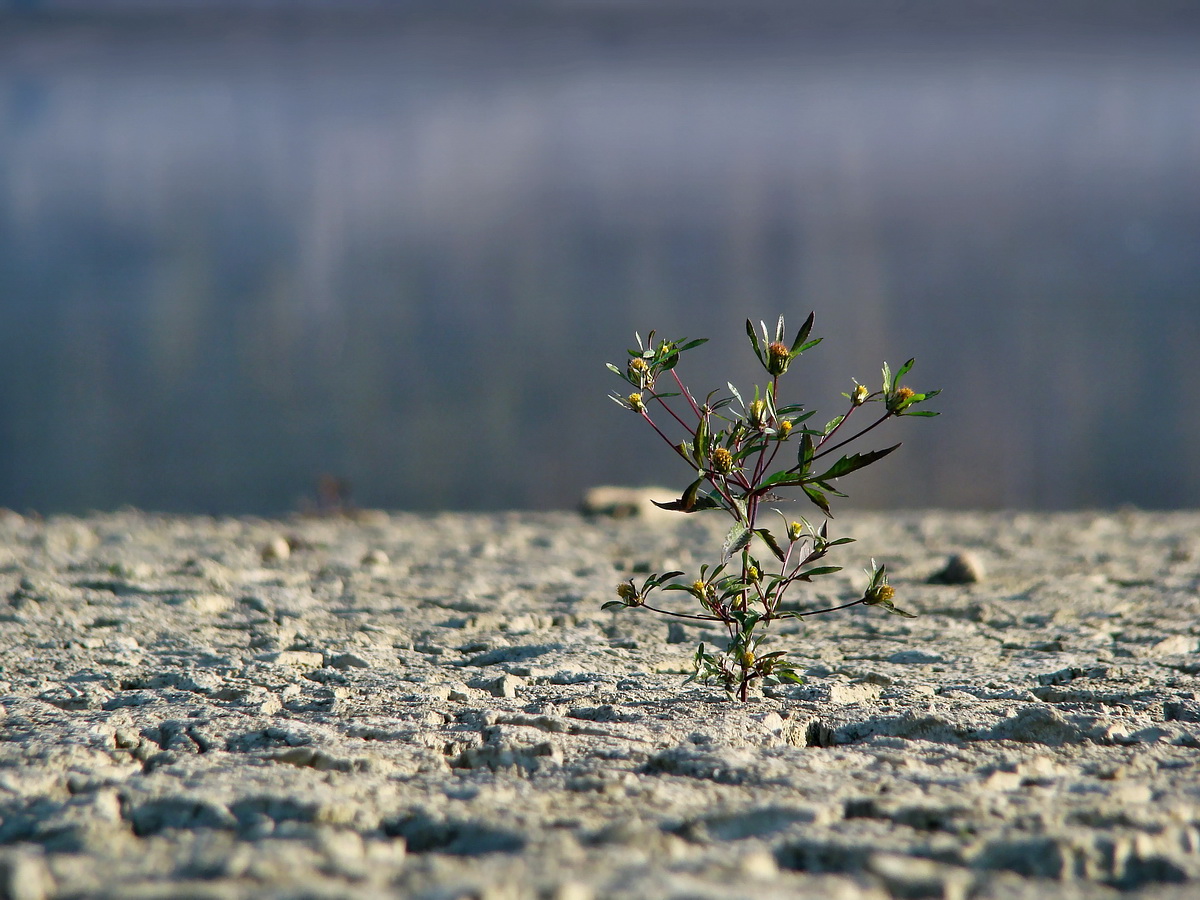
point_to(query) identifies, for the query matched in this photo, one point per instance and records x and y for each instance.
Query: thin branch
(674, 415)
(855, 437)
(817, 612)
(687, 394)
(679, 615)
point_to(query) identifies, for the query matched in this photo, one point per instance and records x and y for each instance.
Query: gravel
(434, 706)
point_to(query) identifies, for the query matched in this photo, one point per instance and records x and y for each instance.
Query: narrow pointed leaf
(819, 570)
(829, 488)
(737, 539)
(807, 448)
(893, 609)
(754, 341)
(782, 479)
(701, 503)
(848, 464)
(818, 498)
(904, 369)
(802, 335)
(779, 330)
(770, 541)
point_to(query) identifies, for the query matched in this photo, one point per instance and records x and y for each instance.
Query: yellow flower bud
(880, 594)
(635, 401)
(757, 413)
(900, 398)
(722, 460)
(784, 428)
(795, 532)
(859, 395)
(639, 371)
(779, 356)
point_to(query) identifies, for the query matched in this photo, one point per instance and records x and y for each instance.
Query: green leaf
(920, 412)
(615, 369)
(828, 488)
(800, 418)
(611, 603)
(848, 464)
(782, 479)
(802, 336)
(770, 541)
(833, 423)
(807, 346)
(818, 498)
(701, 503)
(678, 587)
(805, 454)
(689, 496)
(816, 572)
(904, 369)
(738, 539)
(893, 609)
(700, 441)
(887, 379)
(746, 619)
(779, 330)
(690, 344)
(754, 342)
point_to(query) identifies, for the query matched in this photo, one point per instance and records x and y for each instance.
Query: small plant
(736, 451)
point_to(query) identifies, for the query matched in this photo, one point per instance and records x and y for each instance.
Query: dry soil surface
(435, 706)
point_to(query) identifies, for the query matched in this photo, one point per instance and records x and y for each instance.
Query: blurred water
(235, 258)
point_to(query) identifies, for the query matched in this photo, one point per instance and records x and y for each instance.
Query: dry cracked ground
(436, 707)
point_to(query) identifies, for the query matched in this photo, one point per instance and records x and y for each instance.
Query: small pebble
(460, 692)
(276, 549)
(961, 568)
(349, 661)
(506, 686)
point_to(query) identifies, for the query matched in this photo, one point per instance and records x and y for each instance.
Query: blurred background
(245, 247)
